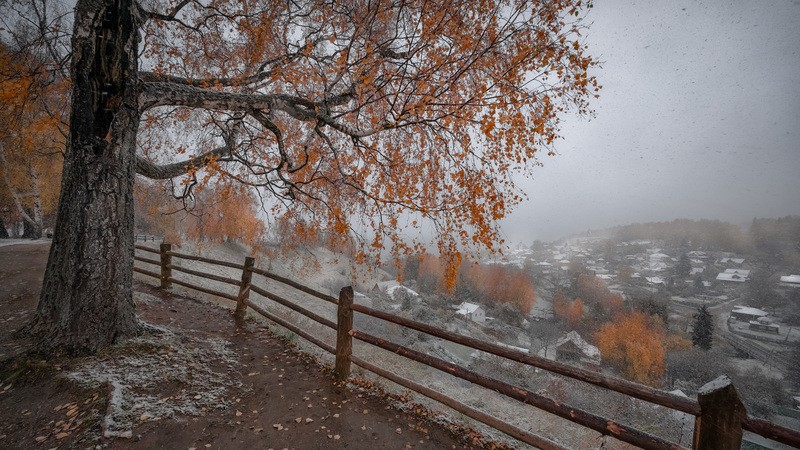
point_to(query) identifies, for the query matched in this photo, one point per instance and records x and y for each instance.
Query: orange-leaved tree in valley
(568, 310)
(600, 301)
(356, 117)
(634, 343)
(488, 284)
(498, 284)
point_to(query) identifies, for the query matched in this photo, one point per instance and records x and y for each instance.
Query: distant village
(755, 307)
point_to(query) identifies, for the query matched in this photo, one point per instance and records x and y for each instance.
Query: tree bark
(86, 301)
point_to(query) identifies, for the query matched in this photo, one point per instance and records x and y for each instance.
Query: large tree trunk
(86, 301)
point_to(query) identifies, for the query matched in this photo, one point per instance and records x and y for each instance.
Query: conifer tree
(703, 330)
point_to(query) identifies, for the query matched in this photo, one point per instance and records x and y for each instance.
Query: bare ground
(198, 382)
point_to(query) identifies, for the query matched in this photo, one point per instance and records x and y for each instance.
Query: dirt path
(246, 387)
(21, 273)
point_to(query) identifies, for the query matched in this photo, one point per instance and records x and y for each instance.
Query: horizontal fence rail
(638, 391)
(715, 427)
(297, 286)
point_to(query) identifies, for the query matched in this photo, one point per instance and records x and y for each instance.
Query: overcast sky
(699, 117)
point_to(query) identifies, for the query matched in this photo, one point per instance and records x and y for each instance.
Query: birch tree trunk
(31, 223)
(86, 301)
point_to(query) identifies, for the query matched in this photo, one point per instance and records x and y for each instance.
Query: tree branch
(153, 94)
(166, 171)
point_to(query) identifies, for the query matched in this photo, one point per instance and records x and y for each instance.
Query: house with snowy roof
(747, 313)
(657, 261)
(734, 275)
(573, 348)
(792, 281)
(471, 311)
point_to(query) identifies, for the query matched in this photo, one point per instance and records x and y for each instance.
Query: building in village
(573, 348)
(471, 311)
(734, 275)
(790, 281)
(746, 313)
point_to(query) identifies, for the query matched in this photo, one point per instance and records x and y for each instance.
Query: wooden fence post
(344, 341)
(719, 425)
(244, 289)
(166, 260)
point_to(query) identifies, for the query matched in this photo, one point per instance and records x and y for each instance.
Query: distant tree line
(706, 234)
(774, 241)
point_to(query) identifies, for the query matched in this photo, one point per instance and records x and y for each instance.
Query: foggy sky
(699, 117)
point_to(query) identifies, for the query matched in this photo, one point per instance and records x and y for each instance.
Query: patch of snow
(511, 347)
(392, 291)
(143, 364)
(116, 402)
(715, 384)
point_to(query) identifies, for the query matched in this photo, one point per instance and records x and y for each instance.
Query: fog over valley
(699, 117)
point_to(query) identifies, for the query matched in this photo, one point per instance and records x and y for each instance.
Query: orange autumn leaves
(490, 284)
(32, 135)
(592, 294)
(215, 214)
(634, 343)
(570, 311)
(630, 340)
(434, 107)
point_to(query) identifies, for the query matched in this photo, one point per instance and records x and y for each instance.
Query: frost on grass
(160, 375)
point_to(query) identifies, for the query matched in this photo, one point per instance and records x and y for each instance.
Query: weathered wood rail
(719, 415)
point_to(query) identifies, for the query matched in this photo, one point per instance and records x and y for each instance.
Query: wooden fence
(719, 414)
